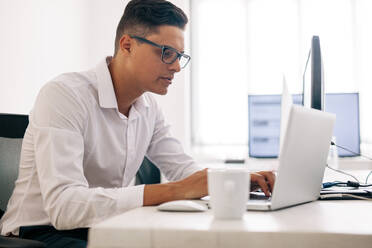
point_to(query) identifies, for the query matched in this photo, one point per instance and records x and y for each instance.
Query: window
(242, 47)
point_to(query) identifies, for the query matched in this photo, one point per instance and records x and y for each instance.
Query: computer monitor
(313, 81)
(264, 122)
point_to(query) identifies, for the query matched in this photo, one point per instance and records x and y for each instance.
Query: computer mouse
(182, 206)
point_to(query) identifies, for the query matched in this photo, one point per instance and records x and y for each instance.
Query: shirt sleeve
(167, 153)
(57, 121)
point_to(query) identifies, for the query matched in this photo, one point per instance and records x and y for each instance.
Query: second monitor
(264, 122)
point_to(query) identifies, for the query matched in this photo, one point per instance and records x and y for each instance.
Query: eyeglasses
(168, 54)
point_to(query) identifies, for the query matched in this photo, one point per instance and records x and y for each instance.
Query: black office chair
(12, 129)
(148, 173)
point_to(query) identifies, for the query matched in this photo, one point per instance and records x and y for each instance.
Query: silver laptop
(302, 159)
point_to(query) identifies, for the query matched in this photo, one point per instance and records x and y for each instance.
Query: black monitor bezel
(317, 78)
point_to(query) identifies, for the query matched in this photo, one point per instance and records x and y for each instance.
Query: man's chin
(162, 92)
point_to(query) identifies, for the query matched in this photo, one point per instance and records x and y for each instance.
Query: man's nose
(175, 66)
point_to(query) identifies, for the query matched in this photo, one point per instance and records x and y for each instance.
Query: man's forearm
(196, 186)
(155, 194)
(192, 187)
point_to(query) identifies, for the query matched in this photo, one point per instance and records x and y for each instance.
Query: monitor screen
(346, 130)
(313, 81)
(264, 122)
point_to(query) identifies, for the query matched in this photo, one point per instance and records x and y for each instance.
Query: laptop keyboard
(259, 196)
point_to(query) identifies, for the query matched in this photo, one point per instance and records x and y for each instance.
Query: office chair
(12, 129)
(148, 173)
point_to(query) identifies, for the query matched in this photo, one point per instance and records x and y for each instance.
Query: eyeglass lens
(169, 56)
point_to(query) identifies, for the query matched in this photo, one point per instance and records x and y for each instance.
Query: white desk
(339, 224)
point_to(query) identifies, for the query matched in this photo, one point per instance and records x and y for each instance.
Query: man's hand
(196, 186)
(264, 180)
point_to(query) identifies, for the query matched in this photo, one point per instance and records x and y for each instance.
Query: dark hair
(142, 17)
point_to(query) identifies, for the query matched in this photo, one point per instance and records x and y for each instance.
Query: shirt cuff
(131, 197)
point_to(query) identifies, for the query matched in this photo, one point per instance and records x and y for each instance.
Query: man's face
(150, 73)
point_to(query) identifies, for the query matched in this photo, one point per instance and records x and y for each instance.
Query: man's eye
(168, 53)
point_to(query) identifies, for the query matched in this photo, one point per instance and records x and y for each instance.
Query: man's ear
(125, 43)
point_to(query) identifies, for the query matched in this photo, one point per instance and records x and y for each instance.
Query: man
(90, 131)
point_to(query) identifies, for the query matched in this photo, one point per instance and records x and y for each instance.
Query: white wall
(43, 38)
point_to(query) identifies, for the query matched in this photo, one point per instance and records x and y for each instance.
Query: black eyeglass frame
(163, 48)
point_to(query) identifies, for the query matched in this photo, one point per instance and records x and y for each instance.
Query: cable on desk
(344, 184)
(368, 176)
(346, 149)
(336, 195)
(357, 154)
(342, 172)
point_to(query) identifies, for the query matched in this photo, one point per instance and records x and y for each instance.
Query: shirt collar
(106, 92)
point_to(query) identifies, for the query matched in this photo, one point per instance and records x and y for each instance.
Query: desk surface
(317, 224)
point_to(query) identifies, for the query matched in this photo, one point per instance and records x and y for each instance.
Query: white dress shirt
(79, 154)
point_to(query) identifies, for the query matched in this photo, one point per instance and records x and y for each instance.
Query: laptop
(302, 159)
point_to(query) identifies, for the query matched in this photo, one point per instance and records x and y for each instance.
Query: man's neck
(126, 93)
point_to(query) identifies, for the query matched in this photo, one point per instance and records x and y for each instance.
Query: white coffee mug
(228, 190)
